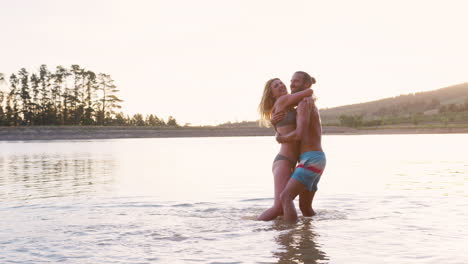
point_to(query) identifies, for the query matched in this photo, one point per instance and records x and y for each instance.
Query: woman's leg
(281, 173)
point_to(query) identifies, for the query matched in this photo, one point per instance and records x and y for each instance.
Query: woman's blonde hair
(266, 104)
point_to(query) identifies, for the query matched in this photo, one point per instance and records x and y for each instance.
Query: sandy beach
(96, 132)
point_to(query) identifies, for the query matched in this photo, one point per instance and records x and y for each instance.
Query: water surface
(382, 199)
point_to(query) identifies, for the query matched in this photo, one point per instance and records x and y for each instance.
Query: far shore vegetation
(80, 97)
(66, 96)
(445, 107)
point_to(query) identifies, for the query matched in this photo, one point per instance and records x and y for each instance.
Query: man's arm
(277, 117)
(302, 122)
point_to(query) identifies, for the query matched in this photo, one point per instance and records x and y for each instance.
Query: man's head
(301, 81)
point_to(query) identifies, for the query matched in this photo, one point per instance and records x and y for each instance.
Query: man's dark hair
(309, 80)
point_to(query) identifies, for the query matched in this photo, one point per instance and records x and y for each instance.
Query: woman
(276, 99)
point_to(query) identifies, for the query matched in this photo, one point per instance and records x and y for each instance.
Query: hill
(445, 105)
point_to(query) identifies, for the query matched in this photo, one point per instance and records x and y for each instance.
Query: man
(304, 180)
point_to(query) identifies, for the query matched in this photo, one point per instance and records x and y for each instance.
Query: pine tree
(13, 101)
(76, 95)
(2, 98)
(48, 114)
(159, 121)
(150, 120)
(35, 103)
(25, 97)
(2, 116)
(2, 113)
(109, 101)
(120, 119)
(171, 121)
(89, 80)
(60, 94)
(137, 120)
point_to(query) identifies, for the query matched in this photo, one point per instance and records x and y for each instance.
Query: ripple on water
(325, 215)
(183, 205)
(256, 200)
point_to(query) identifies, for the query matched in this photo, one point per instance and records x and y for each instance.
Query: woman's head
(274, 88)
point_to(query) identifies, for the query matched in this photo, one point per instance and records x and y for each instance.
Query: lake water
(381, 199)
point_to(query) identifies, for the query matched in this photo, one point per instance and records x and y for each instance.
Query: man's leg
(293, 188)
(305, 203)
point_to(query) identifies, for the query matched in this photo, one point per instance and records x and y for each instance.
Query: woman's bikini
(289, 119)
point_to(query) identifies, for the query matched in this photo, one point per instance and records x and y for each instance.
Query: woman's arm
(289, 100)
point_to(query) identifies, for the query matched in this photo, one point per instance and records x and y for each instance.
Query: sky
(205, 62)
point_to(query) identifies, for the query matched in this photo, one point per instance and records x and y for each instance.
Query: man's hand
(279, 138)
(277, 117)
(306, 102)
(291, 137)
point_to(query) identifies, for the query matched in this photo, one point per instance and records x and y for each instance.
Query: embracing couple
(298, 129)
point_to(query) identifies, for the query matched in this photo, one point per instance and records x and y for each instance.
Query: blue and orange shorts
(310, 169)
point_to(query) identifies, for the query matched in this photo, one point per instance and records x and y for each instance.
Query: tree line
(66, 96)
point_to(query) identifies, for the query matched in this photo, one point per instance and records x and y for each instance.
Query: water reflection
(297, 243)
(42, 175)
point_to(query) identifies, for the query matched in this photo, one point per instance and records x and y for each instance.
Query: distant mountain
(423, 104)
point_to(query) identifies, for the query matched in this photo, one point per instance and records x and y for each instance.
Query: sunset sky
(206, 61)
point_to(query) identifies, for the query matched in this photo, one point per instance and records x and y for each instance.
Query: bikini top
(289, 119)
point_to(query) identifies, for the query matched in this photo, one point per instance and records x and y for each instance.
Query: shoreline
(97, 132)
